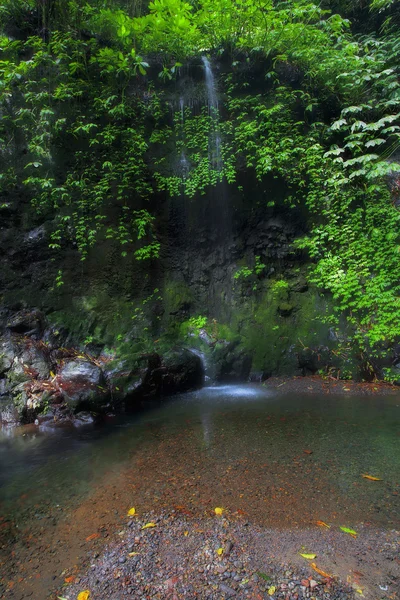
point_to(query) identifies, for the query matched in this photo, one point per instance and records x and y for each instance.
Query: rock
(7, 356)
(232, 362)
(36, 359)
(311, 360)
(81, 382)
(285, 309)
(299, 285)
(183, 371)
(83, 418)
(36, 236)
(9, 414)
(205, 337)
(228, 591)
(28, 322)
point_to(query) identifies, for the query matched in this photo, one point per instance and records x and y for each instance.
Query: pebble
(189, 565)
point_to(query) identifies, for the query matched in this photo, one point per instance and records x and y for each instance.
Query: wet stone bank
(226, 557)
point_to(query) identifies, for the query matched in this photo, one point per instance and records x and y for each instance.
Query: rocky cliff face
(226, 258)
(228, 282)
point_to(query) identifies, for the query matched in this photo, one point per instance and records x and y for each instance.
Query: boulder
(7, 356)
(81, 383)
(232, 362)
(9, 414)
(183, 371)
(27, 322)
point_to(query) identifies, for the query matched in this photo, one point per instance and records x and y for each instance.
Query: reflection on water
(280, 456)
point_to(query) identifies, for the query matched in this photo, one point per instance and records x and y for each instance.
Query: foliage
(193, 325)
(86, 90)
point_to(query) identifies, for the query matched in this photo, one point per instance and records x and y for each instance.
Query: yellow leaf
(323, 524)
(52, 374)
(148, 525)
(133, 553)
(272, 590)
(218, 511)
(132, 512)
(308, 556)
(185, 533)
(371, 477)
(220, 551)
(84, 595)
(359, 591)
(320, 571)
(349, 531)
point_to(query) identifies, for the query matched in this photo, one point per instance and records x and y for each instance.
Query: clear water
(281, 459)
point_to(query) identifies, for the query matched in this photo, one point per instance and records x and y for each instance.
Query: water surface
(281, 459)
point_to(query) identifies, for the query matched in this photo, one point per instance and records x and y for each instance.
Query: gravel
(179, 558)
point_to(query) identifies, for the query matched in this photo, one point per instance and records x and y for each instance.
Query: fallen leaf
(271, 590)
(220, 551)
(132, 512)
(308, 556)
(320, 571)
(218, 511)
(84, 595)
(323, 524)
(148, 525)
(371, 477)
(359, 591)
(350, 531)
(307, 451)
(133, 553)
(185, 533)
(264, 576)
(92, 537)
(70, 579)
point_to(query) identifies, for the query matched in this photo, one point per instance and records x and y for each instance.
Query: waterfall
(210, 83)
(183, 162)
(204, 362)
(215, 138)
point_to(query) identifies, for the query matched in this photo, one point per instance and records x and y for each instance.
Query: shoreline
(220, 557)
(316, 384)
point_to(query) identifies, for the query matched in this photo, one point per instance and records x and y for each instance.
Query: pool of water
(280, 459)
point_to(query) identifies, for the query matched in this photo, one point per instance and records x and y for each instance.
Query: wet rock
(311, 360)
(205, 337)
(7, 356)
(232, 362)
(83, 418)
(27, 322)
(183, 371)
(9, 414)
(285, 309)
(37, 361)
(81, 382)
(36, 236)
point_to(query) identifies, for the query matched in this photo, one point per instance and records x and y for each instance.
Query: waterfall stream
(183, 161)
(215, 138)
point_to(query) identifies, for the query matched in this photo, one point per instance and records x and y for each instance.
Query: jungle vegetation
(84, 90)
